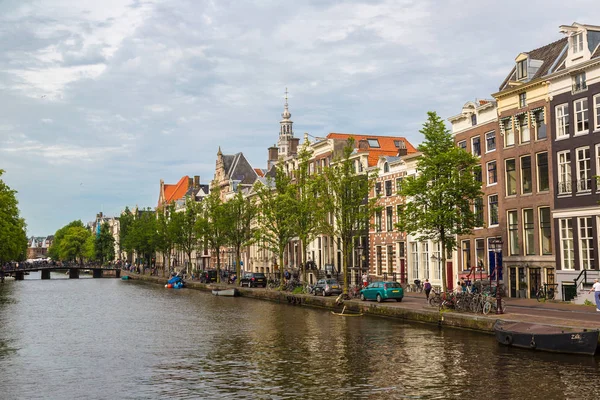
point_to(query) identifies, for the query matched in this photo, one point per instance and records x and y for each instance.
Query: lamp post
(359, 250)
(497, 243)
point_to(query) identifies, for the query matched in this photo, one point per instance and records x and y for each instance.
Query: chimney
(363, 144)
(190, 182)
(196, 181)
(273, 156)
(402, 150)
(294, 145)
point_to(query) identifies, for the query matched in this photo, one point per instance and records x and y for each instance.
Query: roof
(259, 171)
(548, 54)
(597, 52)
(177, 191)
(239, 169)
(387, 147)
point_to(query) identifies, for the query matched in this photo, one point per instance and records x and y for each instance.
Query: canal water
(114, 339)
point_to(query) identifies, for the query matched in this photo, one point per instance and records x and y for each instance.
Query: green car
(381, 291)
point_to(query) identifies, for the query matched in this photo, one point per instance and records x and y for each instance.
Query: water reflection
(77, 338)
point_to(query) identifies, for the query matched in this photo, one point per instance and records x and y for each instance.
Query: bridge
(74, 270)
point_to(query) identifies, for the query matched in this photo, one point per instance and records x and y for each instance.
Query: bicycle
(544, 293)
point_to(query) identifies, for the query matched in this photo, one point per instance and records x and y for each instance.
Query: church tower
(286, 132)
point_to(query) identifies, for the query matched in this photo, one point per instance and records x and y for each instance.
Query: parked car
(254, 279)
(327, 287)
(381, 291)
(208, 276)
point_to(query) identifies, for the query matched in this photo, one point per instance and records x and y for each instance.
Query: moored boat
(226, 292)
(546, 338)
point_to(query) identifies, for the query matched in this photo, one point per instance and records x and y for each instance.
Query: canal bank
(414, 309)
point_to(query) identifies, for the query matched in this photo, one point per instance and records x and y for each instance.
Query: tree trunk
(281, 267)
(304, 277)
(345, 266)
(444, 252)
(238, 265)
(218, 267)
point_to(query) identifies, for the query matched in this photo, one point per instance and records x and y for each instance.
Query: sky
(99, 100)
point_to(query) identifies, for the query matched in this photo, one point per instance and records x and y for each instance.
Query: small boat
(125, 278)
(226, 292)
(345, 314)
(546, 338)
(176, 282)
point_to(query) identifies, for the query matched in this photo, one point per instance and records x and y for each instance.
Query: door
(535, 280)
(449, 275)
(402, 270)
(512, 272)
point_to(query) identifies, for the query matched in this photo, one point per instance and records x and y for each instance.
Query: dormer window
(522, 69)
(473, 119)
(373, 143)
(577, 42)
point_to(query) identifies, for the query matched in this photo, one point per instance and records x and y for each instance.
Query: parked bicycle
(545, 292)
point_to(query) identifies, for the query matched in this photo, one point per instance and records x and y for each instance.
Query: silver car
(327, 287)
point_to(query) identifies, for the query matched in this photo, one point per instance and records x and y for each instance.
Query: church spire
(286, 132)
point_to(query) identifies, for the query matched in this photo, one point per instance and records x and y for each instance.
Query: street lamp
(359, 250)
(497, 244)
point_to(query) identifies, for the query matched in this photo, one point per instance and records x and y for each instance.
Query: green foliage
(298, 290)
(72, 246)
(212, 226)
(13, 238)
(239, 213)
(142, 235)
(589, 303)
(104, 245)
(89, 250)
(347, 199)
(54, 250)
(277, 218)
(125, 225)
(165, 226)
(440, 198)
(185, 227)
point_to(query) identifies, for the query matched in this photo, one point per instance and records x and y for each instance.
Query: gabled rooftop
(386, 145)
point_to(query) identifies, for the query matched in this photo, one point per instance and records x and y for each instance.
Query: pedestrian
(365, 280)
(427, 287)
(596, 289)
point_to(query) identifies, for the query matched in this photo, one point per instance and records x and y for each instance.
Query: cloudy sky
(99, 100)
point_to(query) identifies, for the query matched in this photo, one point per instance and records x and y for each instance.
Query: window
(597, 112)
(398, 212)
(566, 243)
(562, 121)
(373, 143)
(463, 144)
(389, 224)
(414, 249)
(479, 252)
(466, 255)
(437, 270)
(473, 119)
(586, 245)
(398, 184)
(425, 258)
(386, 167)
(526, 175)
(401, 250)
(378, 221)
(522, 69)
(390, 259)
(490, 140)
(379, 260)
(399, 144)
(492, 174)
(581, 116)
(543, 179)
(577, 42)
(564, 172)
(584, 181)
(528, 230)
(388, 188)
(579, 83)
(476, 146)
(493, 209)
(511, 177)
(377, 188)
(513, 233)
(477, 174)
(545, 230)
(478, 211)
(522, 100)
(540, 124)
(509, 134)
(524, 129)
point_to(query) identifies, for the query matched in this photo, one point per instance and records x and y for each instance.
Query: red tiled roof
(177, 191)
(387, 147)
(259, 172)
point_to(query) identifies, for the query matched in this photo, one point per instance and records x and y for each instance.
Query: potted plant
(523, 289)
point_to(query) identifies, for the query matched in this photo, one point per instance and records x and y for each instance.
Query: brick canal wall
(403, 311)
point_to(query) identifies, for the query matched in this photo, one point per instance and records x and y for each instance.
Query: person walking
(596, 289)
(365, 280)
(427, 287)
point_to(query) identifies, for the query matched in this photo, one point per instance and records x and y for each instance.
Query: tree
(186, 227)
(54, 250)
(13, 238)
(73, 244)
(439, 200)
(347, 199)
(278, 214)
(142, 235)
(165, 226)
(310, 210)
(240, 213)
(125, 225)
(212, 226)
(89, 248)
(104, 245)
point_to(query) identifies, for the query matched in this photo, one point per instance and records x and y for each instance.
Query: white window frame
(577, 42)
(464, 266)
(596, 112)
(524, 71)
(526, 232)
(425, 258)
(524, 129)
(561, 112)
(513, 233)
(509, 128)
(586, 242)
(477, 259)
(522, 99)
(521, 171)
(538, 170)
(583, 174)
(493, 134)
(565, 178)
(460, 143)
(566, 244)
(581, 114)
(414, 252)
(473, 147)
(541, 230)
(490, 210)
(487, 174)
(506, 180)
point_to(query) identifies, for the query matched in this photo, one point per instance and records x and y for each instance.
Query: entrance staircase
(584, 283)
